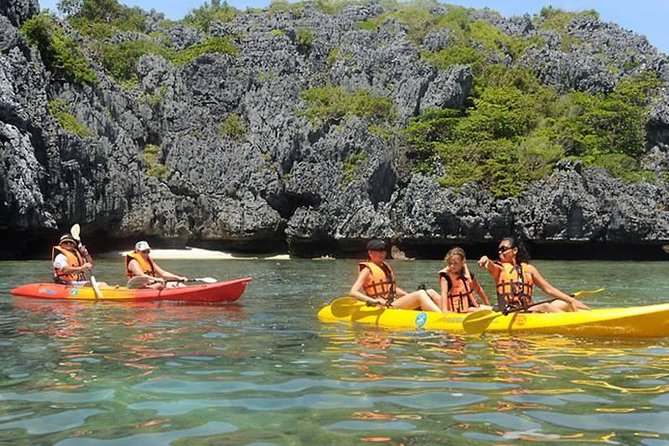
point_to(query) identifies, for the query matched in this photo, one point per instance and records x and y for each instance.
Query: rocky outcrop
(157, 160)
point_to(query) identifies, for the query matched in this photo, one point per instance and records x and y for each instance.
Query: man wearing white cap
(69, 263)
(140, 264)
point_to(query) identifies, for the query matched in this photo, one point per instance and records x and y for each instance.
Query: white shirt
(60, 262)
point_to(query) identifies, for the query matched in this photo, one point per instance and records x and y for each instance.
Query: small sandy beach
(196, 253)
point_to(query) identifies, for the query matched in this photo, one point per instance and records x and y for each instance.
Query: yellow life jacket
(514, 286)
(146, 266)
(73, 259)
(381, 281)
(460, 296)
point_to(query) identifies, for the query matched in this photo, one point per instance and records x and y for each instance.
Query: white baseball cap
(142, 246)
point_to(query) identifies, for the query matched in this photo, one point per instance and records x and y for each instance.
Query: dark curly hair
(523, 255)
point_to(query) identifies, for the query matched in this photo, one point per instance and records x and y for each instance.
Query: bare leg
(418, 299)
(436, 297)
(547, 307)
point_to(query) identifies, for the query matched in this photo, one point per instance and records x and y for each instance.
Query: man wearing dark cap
(376, 284)
(69, 264)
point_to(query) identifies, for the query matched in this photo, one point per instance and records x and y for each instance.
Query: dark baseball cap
(376, 245)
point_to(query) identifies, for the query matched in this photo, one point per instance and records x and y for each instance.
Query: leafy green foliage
(203, 17)
(152, 158)
(233, 127)
(221, 45)
(558, 20)
(61, 111)
(120, 60)
(100, 19)
(351, 165)
(516, 133)
(333, 104)
(305, 38)
(60, 52)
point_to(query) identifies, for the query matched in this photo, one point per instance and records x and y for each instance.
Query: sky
(646, 17)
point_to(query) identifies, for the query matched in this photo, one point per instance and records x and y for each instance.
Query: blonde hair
(457, 251)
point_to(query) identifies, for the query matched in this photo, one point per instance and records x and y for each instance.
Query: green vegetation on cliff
(63, 114)
(512, 129)
(156, 167)
(333, 104)
(60, 52)
(516, 130)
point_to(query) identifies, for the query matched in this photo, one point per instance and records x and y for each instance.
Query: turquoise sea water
(267, 372)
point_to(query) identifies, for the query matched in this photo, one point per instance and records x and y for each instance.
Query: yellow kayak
(649, 321)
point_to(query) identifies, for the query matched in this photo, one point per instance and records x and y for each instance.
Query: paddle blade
(139, 282)
(75, 232)
(204, 279)
(481, 315)
(343, 306)
(478, 321)
(665, 248)
(580, 294)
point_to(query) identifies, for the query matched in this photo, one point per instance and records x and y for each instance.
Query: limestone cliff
(286, 180)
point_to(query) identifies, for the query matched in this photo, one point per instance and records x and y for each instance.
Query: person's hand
(86, 266)
(577, 305)
(183, 279)
(82, 249)
(378, 302)
(483, 261)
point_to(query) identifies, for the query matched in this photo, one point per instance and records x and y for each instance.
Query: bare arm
(77, 269)
(549, 289)
(493, 268)
(356, 289)
(166, 274)
(444, 293)
(479, 290)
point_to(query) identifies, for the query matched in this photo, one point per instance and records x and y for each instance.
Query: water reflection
(513, 391)
(267, 372)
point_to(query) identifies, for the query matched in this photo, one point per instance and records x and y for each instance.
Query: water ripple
(163, 438)
(52, 423)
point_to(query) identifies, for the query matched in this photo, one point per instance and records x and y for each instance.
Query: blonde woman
(458, 284)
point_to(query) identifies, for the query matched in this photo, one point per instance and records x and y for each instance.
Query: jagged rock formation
(284, 182)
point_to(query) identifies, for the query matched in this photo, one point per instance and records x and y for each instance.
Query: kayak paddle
(75, 232)
(96, 288)
(142, 281)
(478, 321)
(343, 306)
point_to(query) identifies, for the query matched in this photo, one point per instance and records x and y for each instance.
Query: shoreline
(195, 253)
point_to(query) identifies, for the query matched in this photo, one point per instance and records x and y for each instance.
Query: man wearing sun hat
(140, 264)
(69, 264)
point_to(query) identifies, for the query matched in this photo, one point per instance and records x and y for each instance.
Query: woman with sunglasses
(515, 279)
(376, 284)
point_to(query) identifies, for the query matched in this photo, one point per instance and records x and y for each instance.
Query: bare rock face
(219, 152)
(17, 11)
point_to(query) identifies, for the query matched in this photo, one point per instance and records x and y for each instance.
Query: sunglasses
(502, 249)
(146, 251)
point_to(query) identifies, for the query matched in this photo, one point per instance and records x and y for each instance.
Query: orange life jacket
(460, 296)
(146, 266)
(381, 281)
(73, 259)
(514, 286)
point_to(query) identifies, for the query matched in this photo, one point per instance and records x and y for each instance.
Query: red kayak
(216, 292)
